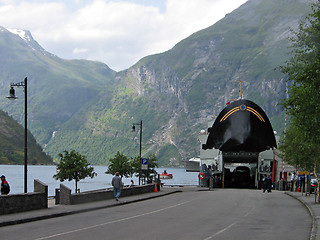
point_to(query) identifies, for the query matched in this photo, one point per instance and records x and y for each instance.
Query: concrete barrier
(14, 203)
(65, 195)
(67, 198)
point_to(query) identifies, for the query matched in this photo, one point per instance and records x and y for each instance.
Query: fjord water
(15, 176)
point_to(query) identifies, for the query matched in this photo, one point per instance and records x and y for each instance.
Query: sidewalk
(63, 210)
(314, 210)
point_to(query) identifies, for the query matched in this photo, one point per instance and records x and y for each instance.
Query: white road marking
(115, 221)
(221, 231)
(226, 228)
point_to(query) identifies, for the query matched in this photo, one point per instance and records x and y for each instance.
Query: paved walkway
(63, 210)
(314, 210)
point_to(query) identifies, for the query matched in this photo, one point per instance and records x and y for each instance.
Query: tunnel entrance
(239, 177)
(239, 169)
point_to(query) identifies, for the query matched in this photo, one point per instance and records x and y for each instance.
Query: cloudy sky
(116, 32)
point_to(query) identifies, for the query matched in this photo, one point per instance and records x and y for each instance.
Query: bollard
(158, 184)
(57, 197)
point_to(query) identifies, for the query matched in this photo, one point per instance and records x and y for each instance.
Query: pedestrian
(268, 183)
(297, 182)
(293, 178)
(5, 188)
(216, 181)
(209, 177)
(264, 184)
(117, 185)
(303, 178)
(300, 183)
(132, 183)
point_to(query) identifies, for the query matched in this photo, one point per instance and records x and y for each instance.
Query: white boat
(192, 165)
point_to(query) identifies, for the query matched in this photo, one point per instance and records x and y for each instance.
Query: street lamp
(133, 130)
(12, 96)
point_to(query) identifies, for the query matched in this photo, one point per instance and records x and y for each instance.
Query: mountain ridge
(91, 108)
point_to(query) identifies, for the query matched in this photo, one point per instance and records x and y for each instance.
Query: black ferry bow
(241, 126)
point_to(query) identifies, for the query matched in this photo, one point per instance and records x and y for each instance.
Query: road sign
(144, 163)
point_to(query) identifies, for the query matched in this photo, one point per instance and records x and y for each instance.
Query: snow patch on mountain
(26, 36)
(21, 33)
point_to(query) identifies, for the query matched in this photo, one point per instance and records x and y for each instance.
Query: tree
(150, 172)
(73, 166)
(127, 167)
(120, 163)
(302, 139)
(296, 141)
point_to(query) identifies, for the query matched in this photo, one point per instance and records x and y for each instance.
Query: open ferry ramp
(173, 213)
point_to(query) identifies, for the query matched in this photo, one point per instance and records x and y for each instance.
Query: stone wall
(14, 203)
(65, 195)
(84, 197)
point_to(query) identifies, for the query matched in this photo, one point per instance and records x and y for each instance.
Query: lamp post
(12, 96)
(133, 130)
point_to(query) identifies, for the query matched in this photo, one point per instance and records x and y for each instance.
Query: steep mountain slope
(57, 88)
(203, 70)
(190, 84)
(91, 109)
(12, 144)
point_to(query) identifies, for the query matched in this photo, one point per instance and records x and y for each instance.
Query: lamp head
(133, 128)
(12, 95)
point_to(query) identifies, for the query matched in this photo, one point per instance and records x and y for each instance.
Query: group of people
(298, 181)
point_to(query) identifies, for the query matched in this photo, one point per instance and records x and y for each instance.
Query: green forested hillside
(12, 144)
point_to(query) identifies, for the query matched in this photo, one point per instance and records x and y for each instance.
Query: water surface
(15, 176)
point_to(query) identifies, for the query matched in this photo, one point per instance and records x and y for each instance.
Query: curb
(314, 227)
(66, 213)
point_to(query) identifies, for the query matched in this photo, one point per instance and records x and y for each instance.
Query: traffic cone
(155, 187)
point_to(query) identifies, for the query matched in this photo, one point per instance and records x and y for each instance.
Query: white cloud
(80, 50)
(116, 32)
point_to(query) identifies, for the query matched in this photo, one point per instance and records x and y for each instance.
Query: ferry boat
(243, 135)
(192, 165)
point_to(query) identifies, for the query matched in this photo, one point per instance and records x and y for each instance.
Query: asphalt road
(220, 214)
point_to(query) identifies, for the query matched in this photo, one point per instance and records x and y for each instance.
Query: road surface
(220, 214)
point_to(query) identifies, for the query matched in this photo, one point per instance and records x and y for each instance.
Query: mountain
(57, 88)
(86, 106)
(12, 144)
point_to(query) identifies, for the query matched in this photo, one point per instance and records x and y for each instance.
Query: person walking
(293, 178)
(117, 185)
(268, 183)
(5, 188)
(264, 184)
